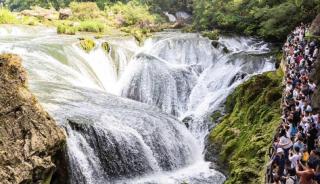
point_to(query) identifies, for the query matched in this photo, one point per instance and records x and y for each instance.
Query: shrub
(30, 20)
(7, 17)
(91, 26)
(212, 35)
(66, 29)
(85, 11)
(132, 13)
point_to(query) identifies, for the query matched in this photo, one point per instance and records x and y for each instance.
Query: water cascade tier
(123, 108)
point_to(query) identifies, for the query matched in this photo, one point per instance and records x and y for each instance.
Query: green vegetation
(245, 133)
(132, 18)
(269, 19)
(91, 26)
(131, 13)
(106, 47)
(212, 35)
(85, 11)
(6, 17)
(65, 29)
(87, 44)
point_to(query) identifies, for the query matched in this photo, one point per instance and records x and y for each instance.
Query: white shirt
(285, 141)
(294, 160)
(315, 52)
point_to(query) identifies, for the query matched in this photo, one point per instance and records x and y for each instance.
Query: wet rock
(178, 25)
(29, 137)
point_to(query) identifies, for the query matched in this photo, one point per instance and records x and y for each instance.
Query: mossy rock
(106, 47)
(244, 135)
(87, 44)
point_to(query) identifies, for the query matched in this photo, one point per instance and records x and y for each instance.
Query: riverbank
(116, 19)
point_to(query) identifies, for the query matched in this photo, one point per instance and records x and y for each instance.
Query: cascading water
(116, 140)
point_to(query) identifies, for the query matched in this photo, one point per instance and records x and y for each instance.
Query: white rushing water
(112, 139)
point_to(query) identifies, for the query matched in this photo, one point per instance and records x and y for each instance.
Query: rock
(183, 16)
(315, 26)
(65, 13)
(315, 76)
(87, 44)
(36, 11)
(106, 47)
(29, 137)
(178, 25)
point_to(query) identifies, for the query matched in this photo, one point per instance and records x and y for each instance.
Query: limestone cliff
(315, 76)
(29, 137)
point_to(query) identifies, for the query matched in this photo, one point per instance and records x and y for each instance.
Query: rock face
(29, 137)
(239, 143)
(315, 26)
(315, 76)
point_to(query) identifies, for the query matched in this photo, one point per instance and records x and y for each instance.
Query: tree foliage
(271, 19)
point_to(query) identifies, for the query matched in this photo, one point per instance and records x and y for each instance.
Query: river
(123, 110)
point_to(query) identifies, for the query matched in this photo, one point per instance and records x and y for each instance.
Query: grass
(7, 17)
(91, 26)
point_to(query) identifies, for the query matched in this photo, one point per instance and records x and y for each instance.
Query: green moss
(245, 133)
(215, 116)
(87, 44)
(106, 47)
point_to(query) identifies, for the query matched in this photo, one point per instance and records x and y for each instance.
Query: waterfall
(186, 76)
(121, 108)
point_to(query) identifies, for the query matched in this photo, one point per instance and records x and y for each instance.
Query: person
(311, 137)
(305, 173)
(279, 162)
(295, 157)
(299, 144)
(284, 142)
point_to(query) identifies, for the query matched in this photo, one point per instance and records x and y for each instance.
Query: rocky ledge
(29, 138)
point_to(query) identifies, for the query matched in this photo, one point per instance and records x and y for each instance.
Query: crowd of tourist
(297, 144)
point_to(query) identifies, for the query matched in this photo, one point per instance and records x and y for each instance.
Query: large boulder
(65, 13)
(315, 26)
(29, 137)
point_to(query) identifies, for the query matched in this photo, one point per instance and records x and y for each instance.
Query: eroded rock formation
(29, 137)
